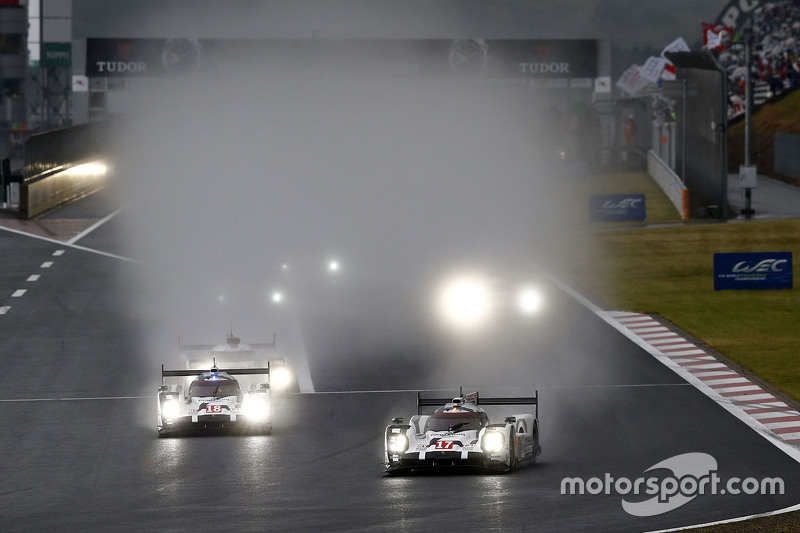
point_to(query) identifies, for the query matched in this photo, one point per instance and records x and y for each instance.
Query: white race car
(214, 400)
(459, 433)
(237, 354)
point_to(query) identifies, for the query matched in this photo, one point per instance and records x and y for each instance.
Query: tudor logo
(766, 265)
(544, 68)
(121, 66)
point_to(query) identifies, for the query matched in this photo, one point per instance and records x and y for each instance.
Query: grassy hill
(782, 115)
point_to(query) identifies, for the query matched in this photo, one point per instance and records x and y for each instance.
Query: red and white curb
(716, 379)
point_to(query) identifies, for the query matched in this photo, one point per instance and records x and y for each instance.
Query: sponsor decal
(753, 270)
(671, 484)
(616, 207)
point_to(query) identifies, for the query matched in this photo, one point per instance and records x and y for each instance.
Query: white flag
(652, 68)
(678, 45)
(632, 81)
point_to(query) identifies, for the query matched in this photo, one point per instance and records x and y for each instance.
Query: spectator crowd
(775, 49)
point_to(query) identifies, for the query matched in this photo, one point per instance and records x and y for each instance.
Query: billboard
(57, 55)
(753, 270)
(617, 207)
(488, 58)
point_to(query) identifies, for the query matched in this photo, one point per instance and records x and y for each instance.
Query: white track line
(62, 243)
(82, 399)
(94, 226)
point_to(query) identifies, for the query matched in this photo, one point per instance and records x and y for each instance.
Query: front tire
(512, 455)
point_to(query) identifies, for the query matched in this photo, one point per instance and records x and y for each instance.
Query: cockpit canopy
(214, 387)
(457, 420)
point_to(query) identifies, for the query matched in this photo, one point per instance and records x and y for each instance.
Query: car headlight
(171, 408)
(279, 378)
(529, 301)
(466, 301)
(493, 442)
(256, 408)
(397, 443)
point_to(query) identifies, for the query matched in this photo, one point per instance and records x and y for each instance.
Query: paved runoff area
(728, 387)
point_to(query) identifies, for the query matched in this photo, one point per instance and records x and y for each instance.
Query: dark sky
(626, 22)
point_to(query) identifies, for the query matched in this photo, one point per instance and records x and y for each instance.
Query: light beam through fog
(229, 179)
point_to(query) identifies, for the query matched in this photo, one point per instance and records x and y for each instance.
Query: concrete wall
(669, 182)
(787, 154)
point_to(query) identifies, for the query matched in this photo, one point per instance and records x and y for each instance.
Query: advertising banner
(486, 58)
(753, 270)
(58, 55)
(617, 207)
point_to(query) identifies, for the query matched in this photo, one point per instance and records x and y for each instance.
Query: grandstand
(775, 65)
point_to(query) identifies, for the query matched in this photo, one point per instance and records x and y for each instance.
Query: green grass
(668, 271)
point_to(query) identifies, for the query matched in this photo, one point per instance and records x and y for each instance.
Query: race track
(80, 451)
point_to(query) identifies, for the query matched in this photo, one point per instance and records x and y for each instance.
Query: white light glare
(277, 297)
(333, 266)
(94, 169)
(170, 409)
(529, 300)
(466, 301)
(256, 408)
(493, 441)
(280, 378)
(397, 443)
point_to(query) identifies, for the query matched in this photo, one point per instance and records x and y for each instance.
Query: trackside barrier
(63, 165)
(669, 182)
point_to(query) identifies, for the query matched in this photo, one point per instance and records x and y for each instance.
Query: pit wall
(669, 182)
(63, 165)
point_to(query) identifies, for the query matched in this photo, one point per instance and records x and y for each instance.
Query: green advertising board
(56, 55)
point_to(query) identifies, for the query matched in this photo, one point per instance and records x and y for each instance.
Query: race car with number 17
(459, 434)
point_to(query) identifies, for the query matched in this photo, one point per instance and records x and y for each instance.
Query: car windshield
(456, 421)
(214, 388)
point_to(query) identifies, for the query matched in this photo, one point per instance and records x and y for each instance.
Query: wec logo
(616, 207)
(627, 203)
(766, 265)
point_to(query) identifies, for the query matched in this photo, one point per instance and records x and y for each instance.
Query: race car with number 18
(214, 400)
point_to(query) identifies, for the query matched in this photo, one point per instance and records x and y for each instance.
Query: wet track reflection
(96, 464)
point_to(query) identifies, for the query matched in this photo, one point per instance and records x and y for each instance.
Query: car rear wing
(477, 400)
(208, 347)
(231, 371)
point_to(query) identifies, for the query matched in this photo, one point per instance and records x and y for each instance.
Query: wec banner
(753, 270)
(616, 207)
